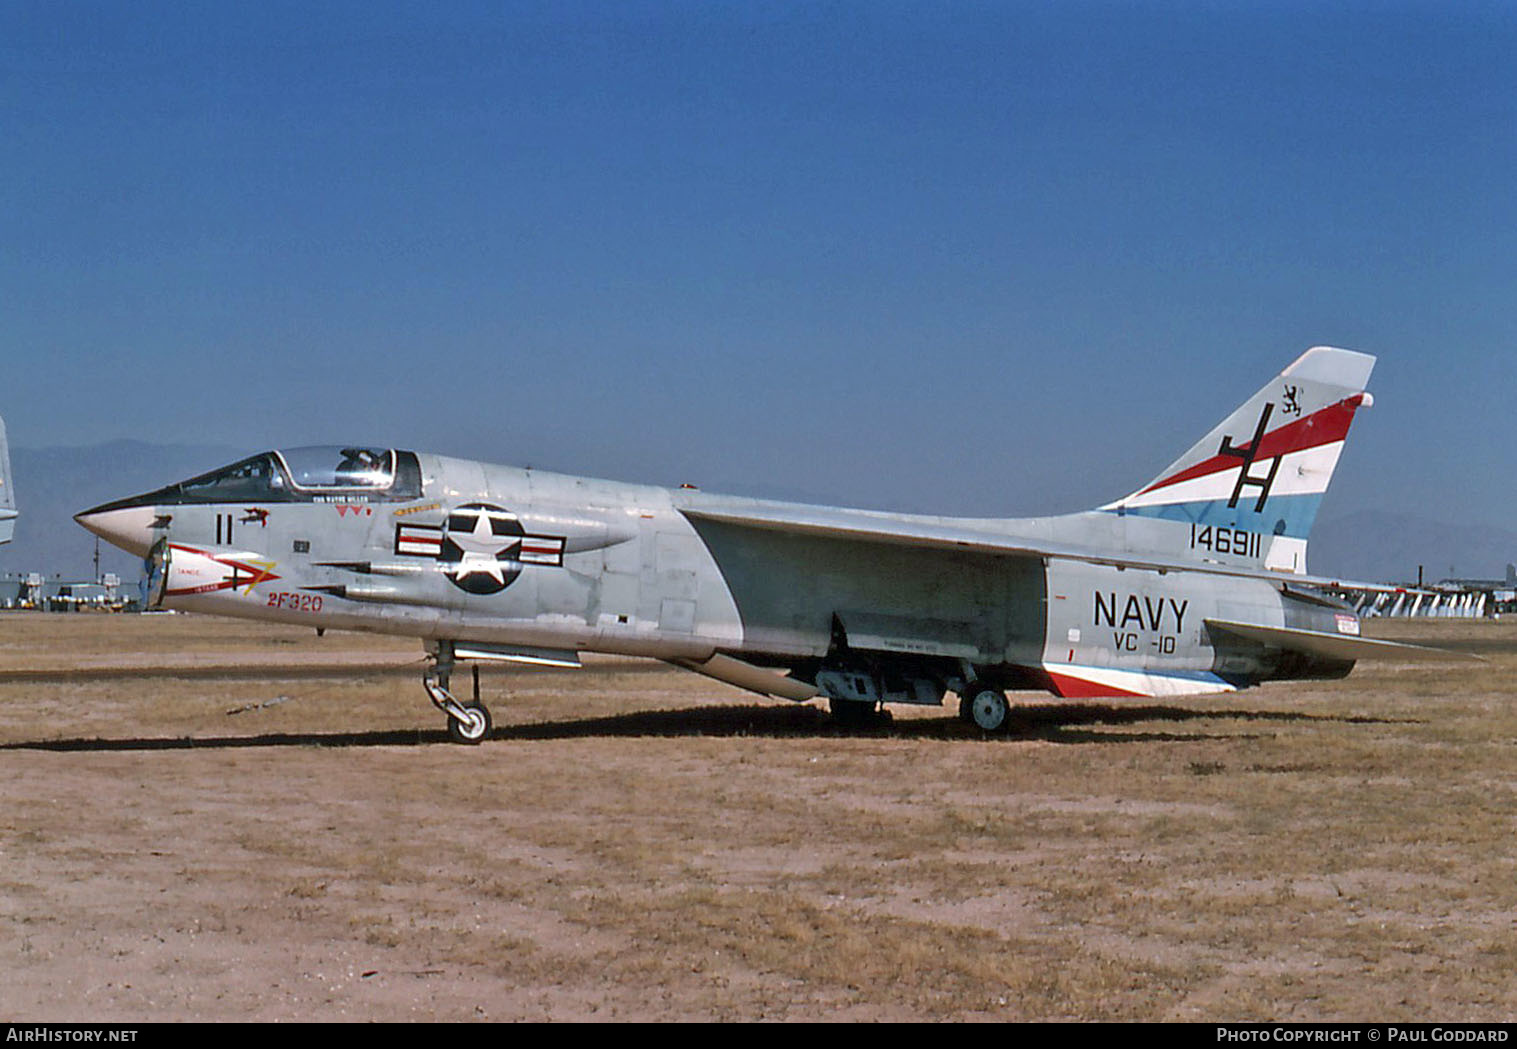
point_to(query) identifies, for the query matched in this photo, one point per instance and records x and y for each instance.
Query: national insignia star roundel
(481, 544)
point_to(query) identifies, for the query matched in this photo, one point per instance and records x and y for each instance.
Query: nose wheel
(472, 727)
(468, 722)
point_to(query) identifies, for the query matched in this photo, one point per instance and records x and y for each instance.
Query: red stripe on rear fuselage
(1067, 687)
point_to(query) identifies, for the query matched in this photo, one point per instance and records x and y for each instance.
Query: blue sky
(964, 258)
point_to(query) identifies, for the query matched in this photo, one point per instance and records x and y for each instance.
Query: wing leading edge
(947, 534)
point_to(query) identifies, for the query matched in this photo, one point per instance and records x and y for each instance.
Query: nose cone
(129, 527)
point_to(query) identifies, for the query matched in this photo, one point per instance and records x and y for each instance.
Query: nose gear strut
(467, 722)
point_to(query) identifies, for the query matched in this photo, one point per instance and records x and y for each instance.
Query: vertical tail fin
(1265, 468)
(7, 495)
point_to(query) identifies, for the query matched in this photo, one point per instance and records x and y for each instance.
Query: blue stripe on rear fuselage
(1289, 515)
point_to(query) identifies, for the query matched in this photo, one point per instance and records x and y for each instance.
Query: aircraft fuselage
(516, 557)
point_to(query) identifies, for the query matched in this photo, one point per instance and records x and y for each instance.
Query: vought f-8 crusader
(1196, 582)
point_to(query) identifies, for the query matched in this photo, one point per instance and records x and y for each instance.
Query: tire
(476, 730)
(986, 708)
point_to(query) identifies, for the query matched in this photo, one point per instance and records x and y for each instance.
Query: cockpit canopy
(317, 474)
(372, 469)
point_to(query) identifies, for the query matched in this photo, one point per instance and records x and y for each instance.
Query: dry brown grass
(640, 843)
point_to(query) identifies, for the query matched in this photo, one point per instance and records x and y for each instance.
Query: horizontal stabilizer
(1335, 646)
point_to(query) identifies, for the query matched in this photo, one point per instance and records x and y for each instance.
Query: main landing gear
(467, 722)
(985, 708)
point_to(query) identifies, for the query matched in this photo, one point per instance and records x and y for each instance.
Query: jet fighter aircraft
(1196, 582)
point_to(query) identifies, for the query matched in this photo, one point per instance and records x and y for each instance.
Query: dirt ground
(210, 820)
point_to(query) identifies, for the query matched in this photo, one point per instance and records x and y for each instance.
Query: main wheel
(986, 708)
(475, 729)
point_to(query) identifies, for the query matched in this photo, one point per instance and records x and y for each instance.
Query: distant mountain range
(53, 484)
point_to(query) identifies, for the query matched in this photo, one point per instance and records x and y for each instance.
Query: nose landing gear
(467, 722)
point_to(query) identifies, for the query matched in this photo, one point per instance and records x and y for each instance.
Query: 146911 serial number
(1237, 541)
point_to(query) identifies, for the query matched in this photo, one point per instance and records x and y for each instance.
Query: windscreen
(256, 479)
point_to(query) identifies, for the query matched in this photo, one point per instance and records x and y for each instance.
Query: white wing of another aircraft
(7, 493)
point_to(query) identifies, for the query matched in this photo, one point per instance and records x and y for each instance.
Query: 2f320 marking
(295, 602)
(1239, 541)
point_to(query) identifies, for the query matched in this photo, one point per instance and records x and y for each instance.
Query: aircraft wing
(879, 528)
(950, 534)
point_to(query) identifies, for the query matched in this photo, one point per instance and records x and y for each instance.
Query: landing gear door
(155, 575)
